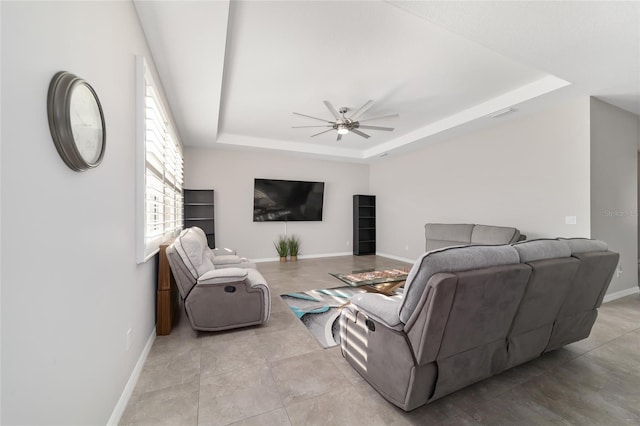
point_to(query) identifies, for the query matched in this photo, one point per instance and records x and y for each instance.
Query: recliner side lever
(370, 324)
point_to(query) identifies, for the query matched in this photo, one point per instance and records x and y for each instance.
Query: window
(159, 169)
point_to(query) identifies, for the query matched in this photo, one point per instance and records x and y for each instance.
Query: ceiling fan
(344, 124)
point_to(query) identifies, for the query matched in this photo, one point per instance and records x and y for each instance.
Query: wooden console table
(168, 296)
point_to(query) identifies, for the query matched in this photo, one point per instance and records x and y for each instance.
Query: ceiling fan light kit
(345, 125)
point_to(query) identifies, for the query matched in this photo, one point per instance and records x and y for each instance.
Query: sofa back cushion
(440, 235)
(579, 309)
(189, 257)
(533, 250)
(594, 276)
(451, 259)
(494, 235)
(484, 303)
(553, 271)
(585, 245)
(194, 252)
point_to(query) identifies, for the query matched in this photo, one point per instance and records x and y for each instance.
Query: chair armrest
(256, 279)
(245, 264)
(223, 276)
(226, 259)
(223, 251)
(381, 308)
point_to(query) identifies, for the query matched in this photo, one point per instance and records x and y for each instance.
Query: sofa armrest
(232, 260)
(222, 276)
(223, 251)
(245, 264)
(256, 279)
(381, 308)
(226, 259)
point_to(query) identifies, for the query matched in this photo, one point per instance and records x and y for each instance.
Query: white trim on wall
(118, 410)
(347, 253)
(401, 259)
(141, 254)
(620, 294)
(306, 256)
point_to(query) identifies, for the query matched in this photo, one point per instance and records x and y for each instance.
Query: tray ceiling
(235, 72)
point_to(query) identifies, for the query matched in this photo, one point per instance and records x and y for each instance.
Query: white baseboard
(318, 256)
(305, 256)
(265, 259)
(346, 253)
(118, 411)
(401, 259)
(621, 293)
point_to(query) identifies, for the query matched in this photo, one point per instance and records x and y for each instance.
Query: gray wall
(231, 175)
(529, 173)
(614, 191)
(70, 285)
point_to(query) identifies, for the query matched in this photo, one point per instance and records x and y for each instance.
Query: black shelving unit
(364, 224)
(198, 211)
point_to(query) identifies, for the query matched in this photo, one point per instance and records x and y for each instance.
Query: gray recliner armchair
(216, 296)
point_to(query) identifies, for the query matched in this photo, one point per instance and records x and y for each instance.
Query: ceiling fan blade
(333, 110)
(339, 137)
(324, 131)
(358, 132)
(388, 129)
(315, 118)
(377, 118)
(362, 110)
(300, 127)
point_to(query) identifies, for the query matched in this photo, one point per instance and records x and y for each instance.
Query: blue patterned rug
(319, 311)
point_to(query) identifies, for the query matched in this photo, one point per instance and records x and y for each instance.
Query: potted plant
(294, 247)
(282, 247)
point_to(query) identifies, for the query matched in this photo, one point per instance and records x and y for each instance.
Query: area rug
(319, 310)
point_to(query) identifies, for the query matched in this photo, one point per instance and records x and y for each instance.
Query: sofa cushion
(585, 245)
(494, 235)
(439, 235)
(451, 259)
(197, 258)
(381, 308)
(227, 259)
(223, 276)
(200, 234)
(533, 250)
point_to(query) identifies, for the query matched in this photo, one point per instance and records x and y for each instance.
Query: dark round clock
(76, 121)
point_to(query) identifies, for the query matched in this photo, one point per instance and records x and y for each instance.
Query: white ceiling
(235, 72)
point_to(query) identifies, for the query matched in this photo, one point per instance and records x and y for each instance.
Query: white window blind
(160, 169)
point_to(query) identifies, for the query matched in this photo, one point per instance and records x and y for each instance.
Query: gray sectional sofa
(471, 312)
(440, 235)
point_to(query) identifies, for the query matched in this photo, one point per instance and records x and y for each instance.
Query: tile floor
(277, 374)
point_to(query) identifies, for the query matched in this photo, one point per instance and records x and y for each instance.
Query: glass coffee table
(383, 281)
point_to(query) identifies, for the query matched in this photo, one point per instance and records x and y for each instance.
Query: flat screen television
(287, 200)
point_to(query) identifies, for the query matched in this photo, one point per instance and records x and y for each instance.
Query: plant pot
(294, 258)
(283, 259)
